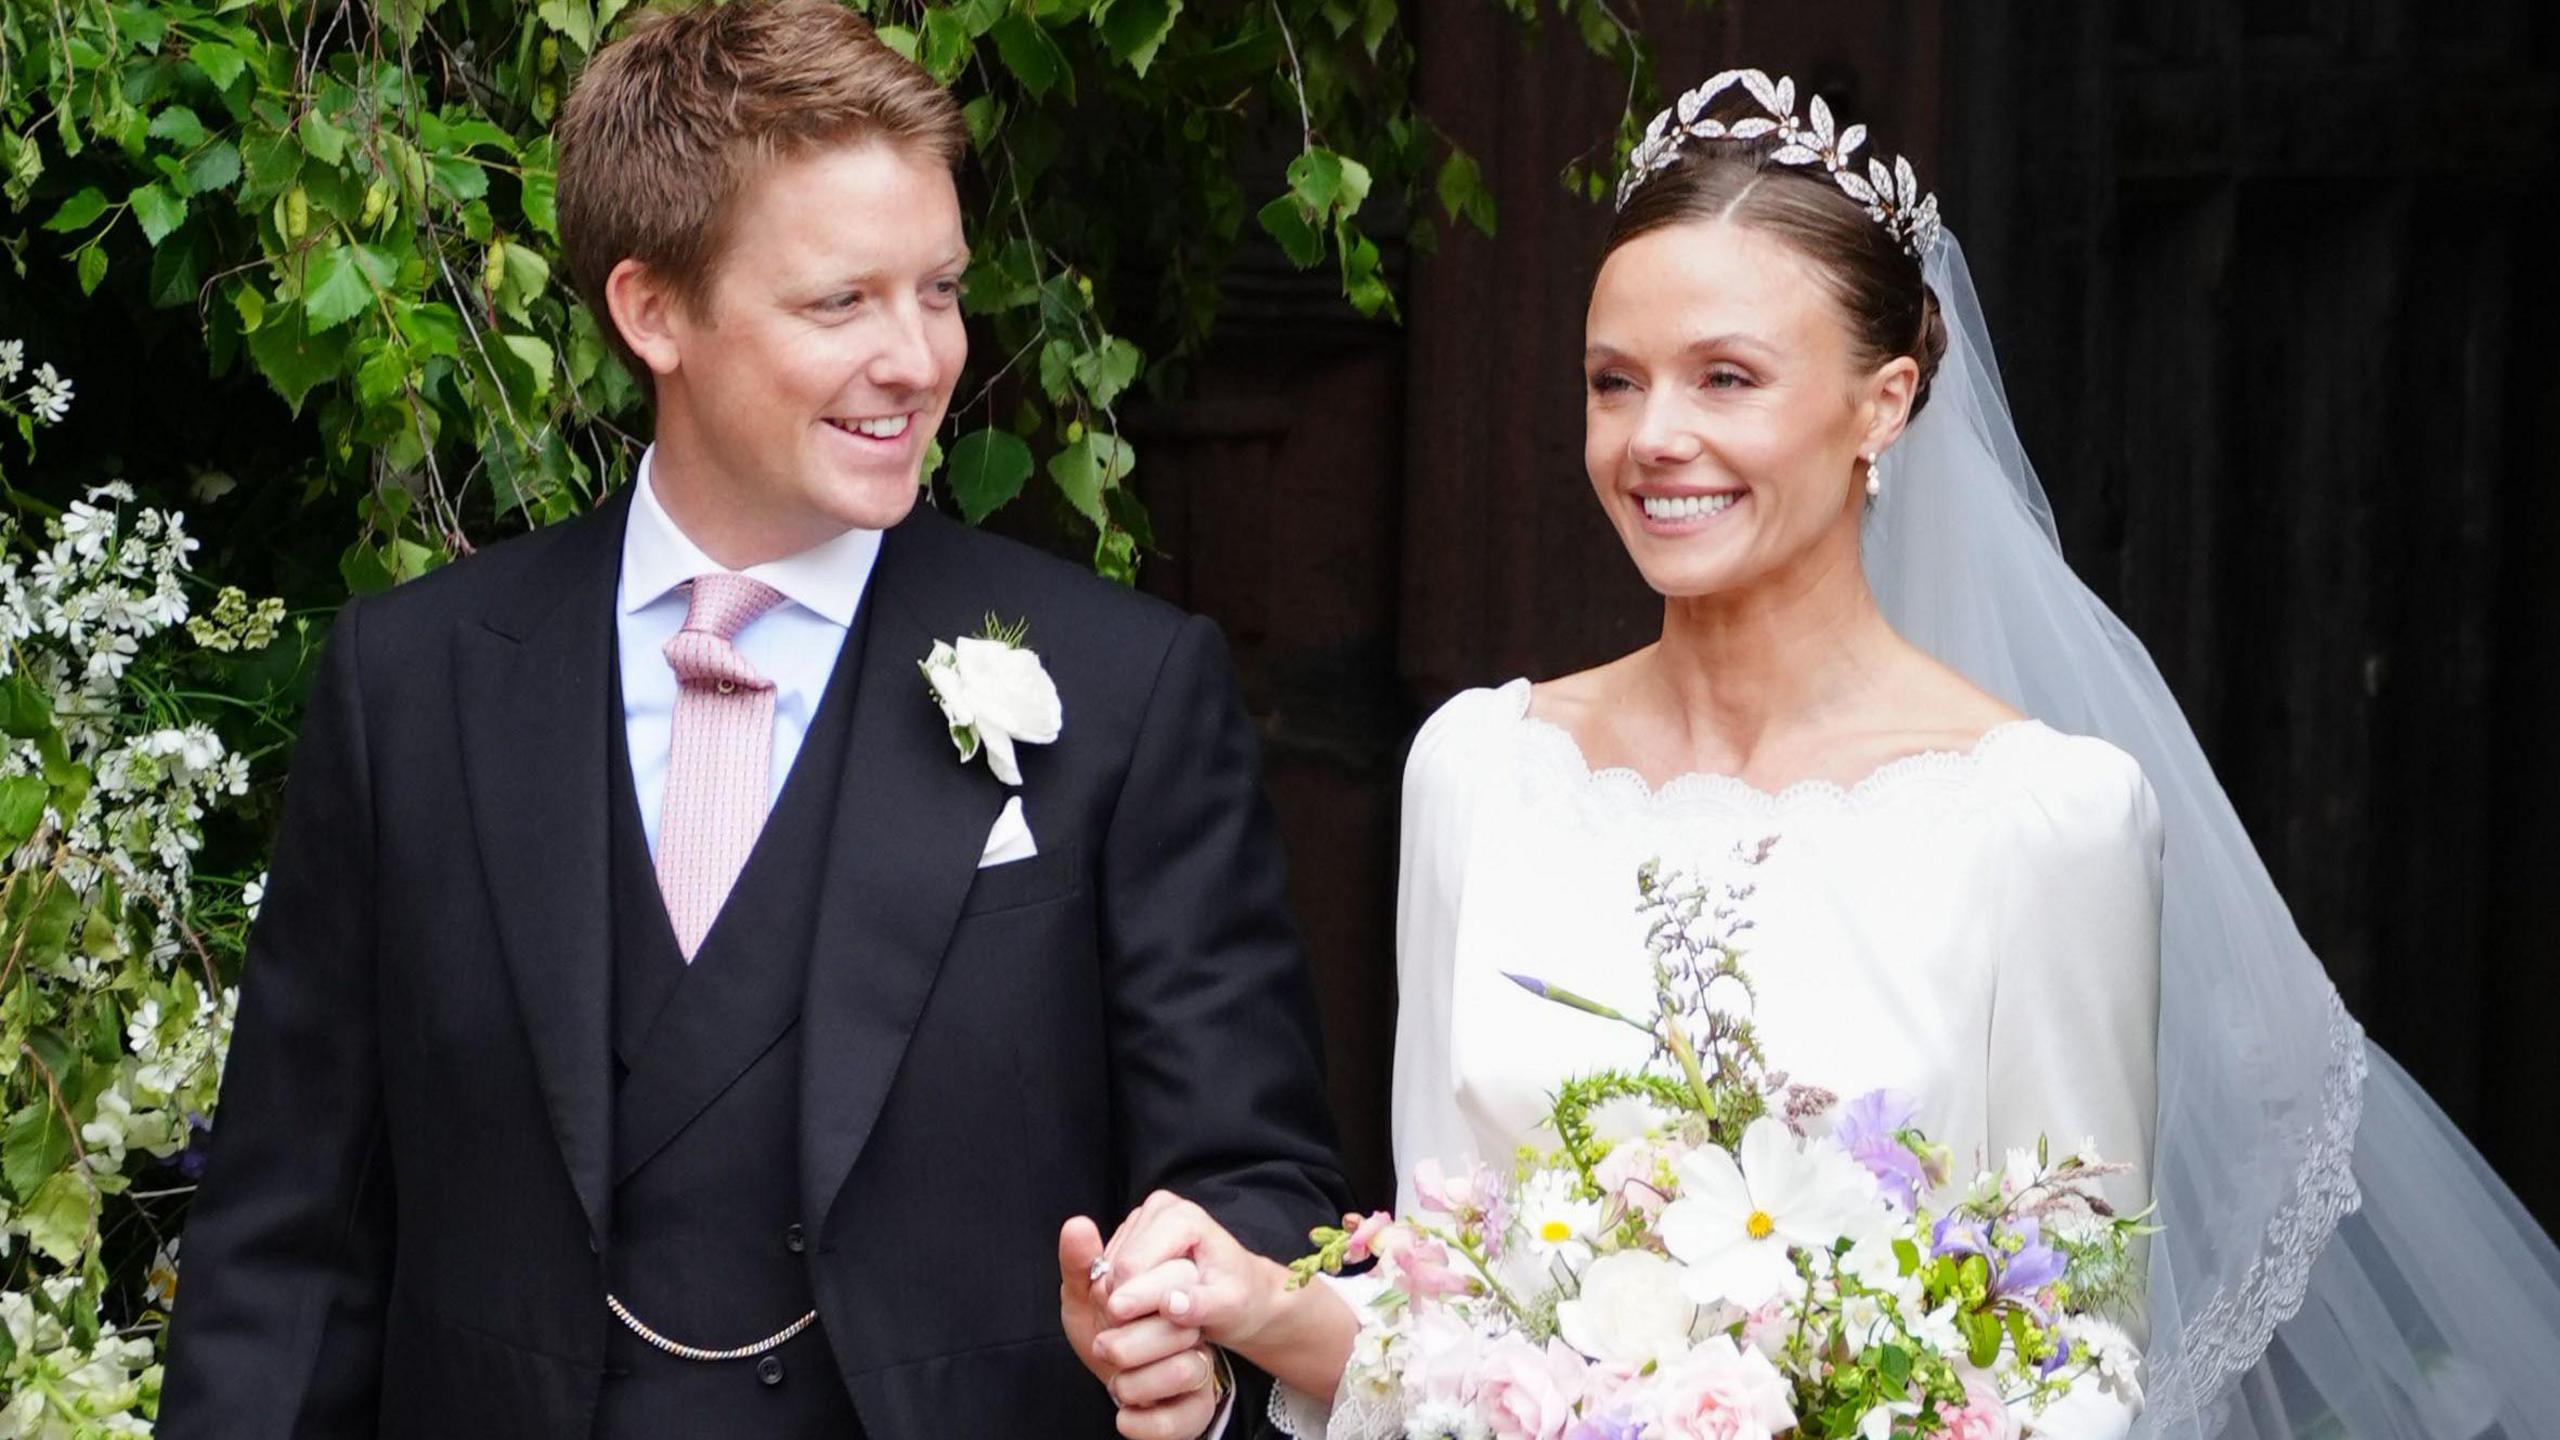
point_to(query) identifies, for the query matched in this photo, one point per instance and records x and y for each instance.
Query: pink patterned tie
(719, 779)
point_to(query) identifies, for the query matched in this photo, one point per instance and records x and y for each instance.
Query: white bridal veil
(2337, 1260)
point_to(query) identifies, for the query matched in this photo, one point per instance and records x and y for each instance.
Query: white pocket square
(1010, 839)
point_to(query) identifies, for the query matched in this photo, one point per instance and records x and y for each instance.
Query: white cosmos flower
(1735, 1222)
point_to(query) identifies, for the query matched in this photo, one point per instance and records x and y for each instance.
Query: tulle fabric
(2336, 1259)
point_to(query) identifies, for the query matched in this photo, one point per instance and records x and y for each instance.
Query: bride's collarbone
(1836, 759)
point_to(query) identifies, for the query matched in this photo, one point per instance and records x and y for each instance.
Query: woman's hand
(1159, 1374)
(1173, 1266)
(1170, 1259)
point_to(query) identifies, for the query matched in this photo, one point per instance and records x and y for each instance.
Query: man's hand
(1079, 1299)
(1157, 1372)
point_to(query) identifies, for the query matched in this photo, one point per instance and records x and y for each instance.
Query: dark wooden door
(2274, 290)
(2272, 283)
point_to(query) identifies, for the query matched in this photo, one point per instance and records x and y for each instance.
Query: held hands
(1170, 1261)
(1156, 1368)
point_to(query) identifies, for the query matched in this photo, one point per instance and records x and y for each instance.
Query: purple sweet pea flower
(1960, 1235)
(1869, 1129)
(2018, 1274)
(2021, 1263)
(1605, 1428)
(2061, 1356)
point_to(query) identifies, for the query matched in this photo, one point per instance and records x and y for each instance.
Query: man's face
(795, 400)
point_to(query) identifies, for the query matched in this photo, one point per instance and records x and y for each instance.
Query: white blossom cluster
(58, 1390)
(74, 619)
(80, 606)
(48, 400)
(172, 1068)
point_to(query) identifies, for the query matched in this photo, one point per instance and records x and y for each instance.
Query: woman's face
(1725, 410)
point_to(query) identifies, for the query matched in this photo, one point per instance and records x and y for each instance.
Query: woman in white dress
(1861, 596)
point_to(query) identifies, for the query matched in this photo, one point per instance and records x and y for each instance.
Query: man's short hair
(669, 123)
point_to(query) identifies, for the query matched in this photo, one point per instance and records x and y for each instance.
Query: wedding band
(1219, 1382)
(1098, 1271)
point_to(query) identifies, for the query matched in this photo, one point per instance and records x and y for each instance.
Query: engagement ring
(1098, 1271)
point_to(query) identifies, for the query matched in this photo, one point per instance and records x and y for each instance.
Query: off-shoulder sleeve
(2076, 1008)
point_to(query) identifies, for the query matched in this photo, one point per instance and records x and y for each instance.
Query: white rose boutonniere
(995, 695)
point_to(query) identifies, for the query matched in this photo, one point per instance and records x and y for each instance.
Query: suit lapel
(534, 695)
(910, 822)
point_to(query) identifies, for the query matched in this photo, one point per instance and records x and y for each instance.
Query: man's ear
(645, 309)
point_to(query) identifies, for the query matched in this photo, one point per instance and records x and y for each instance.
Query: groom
(656, 1025)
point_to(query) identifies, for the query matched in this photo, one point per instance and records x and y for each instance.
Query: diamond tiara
(1890, 193)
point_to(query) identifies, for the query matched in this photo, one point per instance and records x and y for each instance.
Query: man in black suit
(657, 1025)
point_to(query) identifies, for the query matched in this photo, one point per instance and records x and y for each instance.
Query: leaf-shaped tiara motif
(1890, 193)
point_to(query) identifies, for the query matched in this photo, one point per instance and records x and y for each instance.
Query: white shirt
(794, 644)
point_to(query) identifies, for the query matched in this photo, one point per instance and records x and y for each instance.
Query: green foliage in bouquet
(1707, 1231)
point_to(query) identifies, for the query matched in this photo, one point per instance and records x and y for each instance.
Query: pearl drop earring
(1875, 476)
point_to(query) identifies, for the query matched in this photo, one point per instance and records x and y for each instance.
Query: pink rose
(1525, 1393)
(1984, 1416)
(1721, 1392)
(1604, 1384)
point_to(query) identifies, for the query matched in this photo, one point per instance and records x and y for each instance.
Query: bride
(2046, 927)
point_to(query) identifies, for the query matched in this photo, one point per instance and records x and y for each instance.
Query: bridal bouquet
(1712, 1251)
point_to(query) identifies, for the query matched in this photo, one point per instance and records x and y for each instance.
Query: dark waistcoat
(709, 1247)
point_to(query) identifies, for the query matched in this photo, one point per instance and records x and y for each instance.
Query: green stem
(1483, 1268)
(1688, 1058)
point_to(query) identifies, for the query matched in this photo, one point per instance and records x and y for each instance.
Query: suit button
(769, 1369)
(795, 1240)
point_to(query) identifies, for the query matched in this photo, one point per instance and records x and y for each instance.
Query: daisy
(1555, 1221)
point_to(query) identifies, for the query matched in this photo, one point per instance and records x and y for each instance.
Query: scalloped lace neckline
(1943, 765)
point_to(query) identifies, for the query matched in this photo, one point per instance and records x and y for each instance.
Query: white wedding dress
(1994, 932)
(1979, 929)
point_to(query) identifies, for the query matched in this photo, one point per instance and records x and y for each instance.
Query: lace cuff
(1346, 1416)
